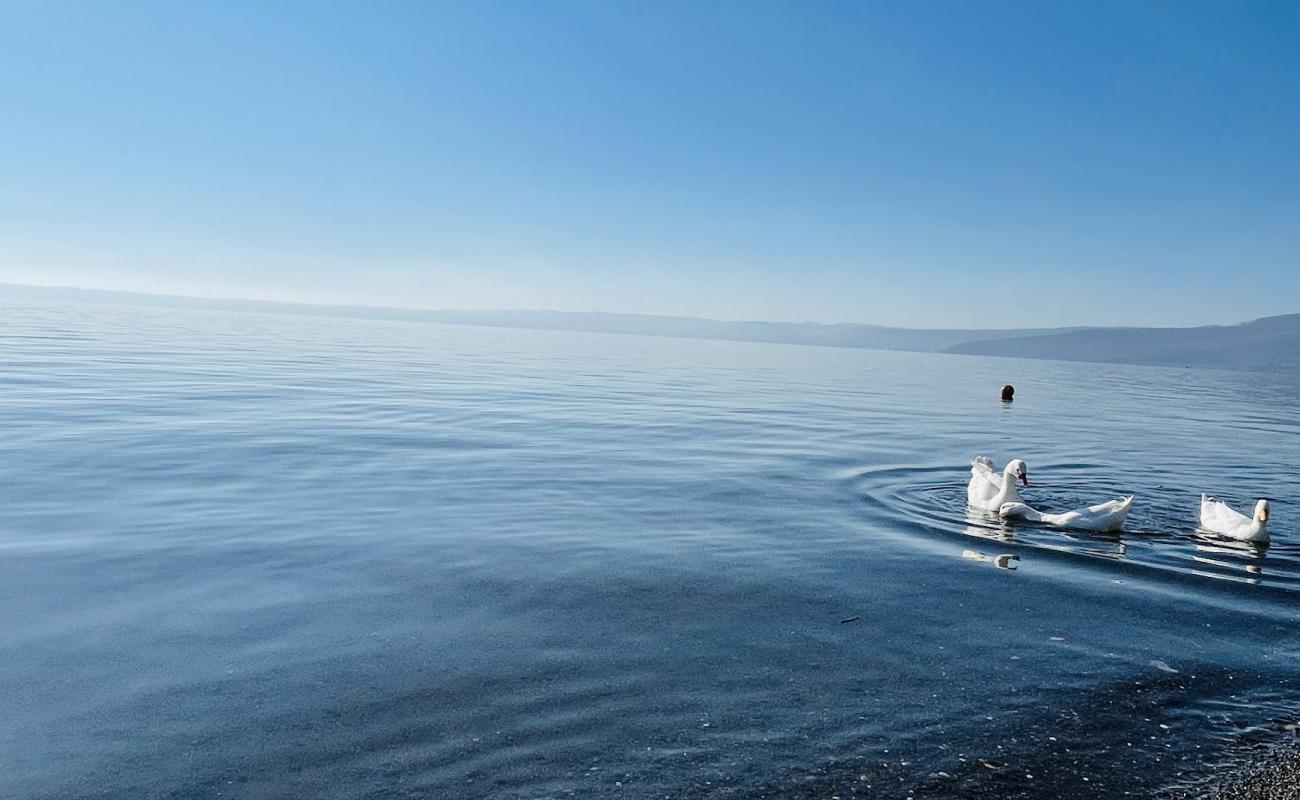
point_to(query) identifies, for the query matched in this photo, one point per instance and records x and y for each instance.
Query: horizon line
(424, 309)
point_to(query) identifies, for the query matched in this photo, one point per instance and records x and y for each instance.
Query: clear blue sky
(906, 163)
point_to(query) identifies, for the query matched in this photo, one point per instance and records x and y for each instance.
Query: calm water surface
(258, 556)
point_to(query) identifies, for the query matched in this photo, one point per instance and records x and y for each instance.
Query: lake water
(259, 556)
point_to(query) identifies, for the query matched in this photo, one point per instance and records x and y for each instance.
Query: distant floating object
(1008, 393)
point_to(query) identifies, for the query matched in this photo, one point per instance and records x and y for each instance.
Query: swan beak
(1024, 479)
(1263, 516)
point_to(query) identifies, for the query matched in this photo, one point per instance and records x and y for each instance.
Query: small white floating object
(988, 489)
(1217, 517)
(1108, 516)
(1001, 561)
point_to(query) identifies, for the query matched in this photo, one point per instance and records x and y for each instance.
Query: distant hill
(811, 333)
(1272, 343)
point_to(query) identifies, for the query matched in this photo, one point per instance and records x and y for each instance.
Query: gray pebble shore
(1275, 777)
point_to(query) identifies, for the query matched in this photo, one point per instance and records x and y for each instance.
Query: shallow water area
(251, 555)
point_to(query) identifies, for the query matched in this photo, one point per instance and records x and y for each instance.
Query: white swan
(1216, 517)
(988, 490)
(1108, 516)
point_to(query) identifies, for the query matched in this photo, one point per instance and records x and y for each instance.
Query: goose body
(1108, 516)
(1217, 517)
(989, 489)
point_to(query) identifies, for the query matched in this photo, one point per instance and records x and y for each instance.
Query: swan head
(1261, 511)
(1018, 469)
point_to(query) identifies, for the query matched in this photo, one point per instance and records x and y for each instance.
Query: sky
(924, 164)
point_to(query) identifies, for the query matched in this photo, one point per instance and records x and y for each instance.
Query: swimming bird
(988, 490)
(1217, 517)
(1108, 516)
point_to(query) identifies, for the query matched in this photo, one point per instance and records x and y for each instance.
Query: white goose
(988, 490)
(1217, 517)
(1108, 516)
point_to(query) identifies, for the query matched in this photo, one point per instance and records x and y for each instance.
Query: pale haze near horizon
(924, 165)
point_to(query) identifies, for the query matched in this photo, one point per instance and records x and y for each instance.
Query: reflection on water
(1099, 545)
(988, 525)
(1001, 561)
(1230, 558)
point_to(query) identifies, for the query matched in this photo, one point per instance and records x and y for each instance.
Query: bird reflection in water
(988, 525)
(1001, 560)
(1239, 561)
(1105, 545)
